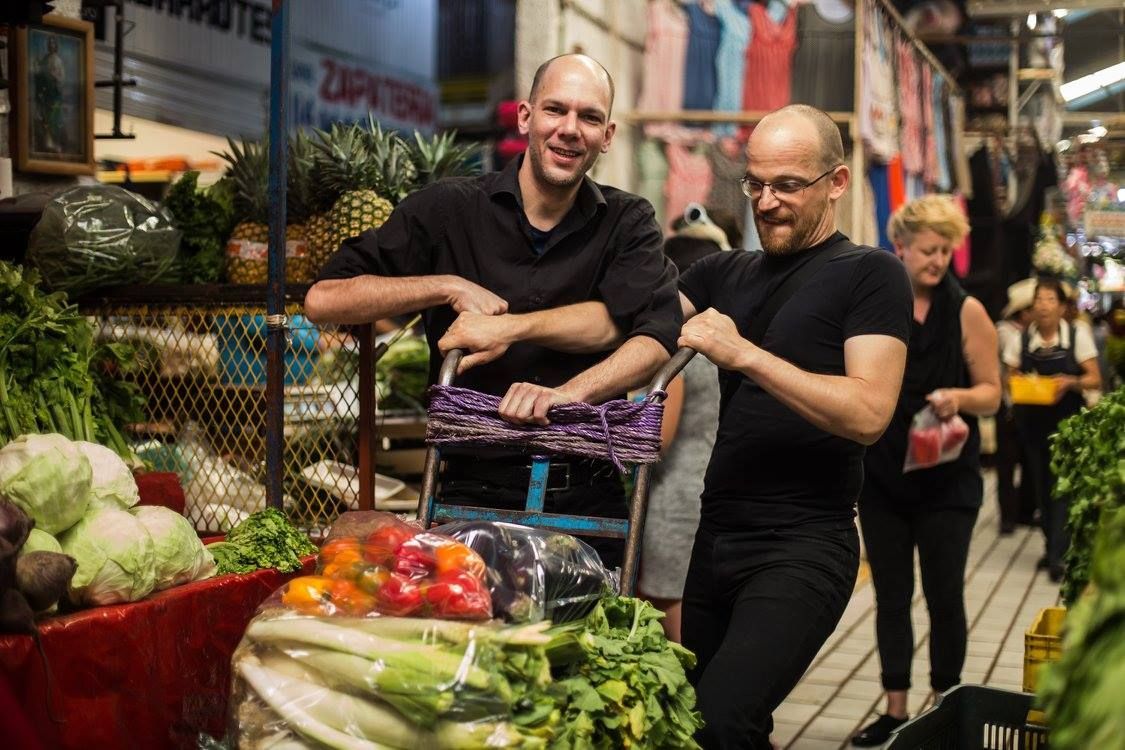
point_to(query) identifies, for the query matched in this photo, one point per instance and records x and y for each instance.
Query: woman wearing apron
(1056, 348)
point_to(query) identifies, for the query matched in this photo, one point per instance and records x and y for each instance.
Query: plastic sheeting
(151, 674)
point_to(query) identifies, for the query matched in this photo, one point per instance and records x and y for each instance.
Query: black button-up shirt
(607, 248)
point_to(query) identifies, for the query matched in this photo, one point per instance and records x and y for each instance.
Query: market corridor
(1003, 591)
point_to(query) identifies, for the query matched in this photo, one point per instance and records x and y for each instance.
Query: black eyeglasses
(753, 189)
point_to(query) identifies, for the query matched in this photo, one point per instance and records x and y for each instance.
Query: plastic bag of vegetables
(390, 682)
(100, 235)
(378, 565)
(535, 574)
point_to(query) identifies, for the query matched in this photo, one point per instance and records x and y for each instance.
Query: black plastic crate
(971, 717)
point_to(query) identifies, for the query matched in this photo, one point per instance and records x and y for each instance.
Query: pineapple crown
(248, 168)
(439, 157)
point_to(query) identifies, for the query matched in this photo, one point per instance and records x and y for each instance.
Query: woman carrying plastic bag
(922, 486)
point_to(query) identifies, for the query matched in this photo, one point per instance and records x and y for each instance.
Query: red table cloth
(151, 674)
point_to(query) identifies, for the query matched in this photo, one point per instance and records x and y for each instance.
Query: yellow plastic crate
(1031, 390)
(1042, 644)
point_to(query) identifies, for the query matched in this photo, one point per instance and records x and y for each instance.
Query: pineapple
(440, 157)
(348, 168)
(247, 261)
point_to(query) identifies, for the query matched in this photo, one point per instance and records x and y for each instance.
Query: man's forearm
(363, 299)
(838, 404)
(632, 365)
(582, 328)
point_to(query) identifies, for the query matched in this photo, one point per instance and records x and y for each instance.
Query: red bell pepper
(953, 433)
(380, 545)
(459, 595)
(400, 596)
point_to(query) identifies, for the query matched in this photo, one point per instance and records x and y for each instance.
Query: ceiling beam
(987, 8)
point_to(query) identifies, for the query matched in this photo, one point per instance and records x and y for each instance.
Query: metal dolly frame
(630, 529)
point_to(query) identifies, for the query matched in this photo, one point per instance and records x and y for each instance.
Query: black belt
(562, 474)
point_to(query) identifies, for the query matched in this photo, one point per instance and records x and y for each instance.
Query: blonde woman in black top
(951, 365)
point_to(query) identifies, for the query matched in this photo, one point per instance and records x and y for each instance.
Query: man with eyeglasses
(810, 338)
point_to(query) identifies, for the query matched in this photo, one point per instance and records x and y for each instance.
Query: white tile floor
(1003, 592)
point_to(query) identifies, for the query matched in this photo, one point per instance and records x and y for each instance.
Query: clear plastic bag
(375, 564)
(100, 235)
(534, 574)
(932, 441)
(389, 682)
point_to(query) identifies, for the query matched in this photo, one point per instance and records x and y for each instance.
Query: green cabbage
(116, 558)
(113, 485)
(180, 555)
(40, 541)
(48, 477)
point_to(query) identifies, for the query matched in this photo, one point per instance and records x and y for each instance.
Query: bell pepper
(455, 556)
(400, 596)
(308, 595)
(415, 557)
(380, 545)
(459, 595)
(346, 548)
(349, 599)
(372, 578)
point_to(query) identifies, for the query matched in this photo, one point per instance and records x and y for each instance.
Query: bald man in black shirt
(536, 271)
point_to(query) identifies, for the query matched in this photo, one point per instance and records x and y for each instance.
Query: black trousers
(1052, 511)
(890, 534)
(757, 608)
(1017, 503)
(604, 497)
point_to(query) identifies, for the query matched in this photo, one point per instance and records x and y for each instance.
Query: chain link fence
(202, 369)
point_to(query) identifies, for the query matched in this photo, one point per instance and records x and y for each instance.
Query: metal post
(275, 291)
(367, 417)
(118, 63)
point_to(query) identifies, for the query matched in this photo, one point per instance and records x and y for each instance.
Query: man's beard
(802, 229)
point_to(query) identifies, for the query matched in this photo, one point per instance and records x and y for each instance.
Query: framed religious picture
(52, 77)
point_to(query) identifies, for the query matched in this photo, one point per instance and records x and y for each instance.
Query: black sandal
(877, 732)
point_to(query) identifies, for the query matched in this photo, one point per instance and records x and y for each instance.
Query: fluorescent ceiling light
(1032, 21)
(1060, 12)
(1103, 78)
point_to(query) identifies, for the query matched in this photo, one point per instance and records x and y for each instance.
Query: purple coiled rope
(625, 432)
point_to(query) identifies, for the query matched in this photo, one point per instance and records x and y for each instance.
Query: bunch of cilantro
(54, 375)
(620, 682)
(264, 540)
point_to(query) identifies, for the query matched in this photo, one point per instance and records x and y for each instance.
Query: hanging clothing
(700, 82)
(878, 110)
(730, 61)
(930, 167)
(911, 135)
(824, 64)
(662, 89)
(896, 177)
(778, 9)
(944, 179)
(962, 254)
(652, 173)
(958, 152)
(878, 175)
(689, 180)
(769, 61)
(726, 189)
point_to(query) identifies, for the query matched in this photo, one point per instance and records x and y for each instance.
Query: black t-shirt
(770, 467)
(607, 248)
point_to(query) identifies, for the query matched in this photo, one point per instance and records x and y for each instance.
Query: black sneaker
(1055, 573)
(877, 732)
(1042, 564)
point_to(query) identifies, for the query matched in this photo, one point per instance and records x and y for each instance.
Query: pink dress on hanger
(911, 136)
(769, 61)
(662, 89)
(689, 180)
(962, 255)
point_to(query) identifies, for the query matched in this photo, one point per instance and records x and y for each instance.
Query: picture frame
(52, 96)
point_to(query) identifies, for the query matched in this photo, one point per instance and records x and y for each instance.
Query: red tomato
(925, 446)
